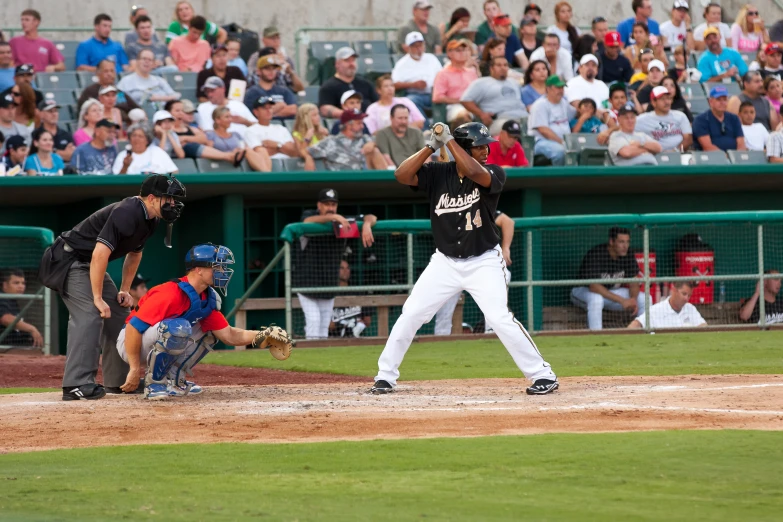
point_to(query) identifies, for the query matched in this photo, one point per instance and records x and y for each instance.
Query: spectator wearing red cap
(452, 81)
(506, 151)
(615, 67)
(349, 150)
(586, 85)
(773, 52)
(559, 60)
(669, 128)
(679, 29)
(420, 23)
(344, 79)
(642, 13)
(504, 30)
(415, 72)
(486, 29)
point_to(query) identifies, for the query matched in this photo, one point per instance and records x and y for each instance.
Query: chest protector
(199, 309)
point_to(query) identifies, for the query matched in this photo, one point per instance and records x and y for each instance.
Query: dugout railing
(21, 248)
(725, 254)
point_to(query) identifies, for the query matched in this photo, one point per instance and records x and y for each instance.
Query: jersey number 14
(476, 220)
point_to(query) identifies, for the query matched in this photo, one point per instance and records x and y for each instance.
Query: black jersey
(462, 212)
(123, 227)
(598, 264)
(772, 311)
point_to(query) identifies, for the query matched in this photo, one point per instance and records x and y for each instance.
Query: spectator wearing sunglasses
(718, 129)
(748, 32)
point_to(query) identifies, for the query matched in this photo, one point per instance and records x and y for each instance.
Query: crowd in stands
(643, 88)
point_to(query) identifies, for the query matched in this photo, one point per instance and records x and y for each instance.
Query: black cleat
(118, 391)
(381, 388)
(85, 392)
(542, 387)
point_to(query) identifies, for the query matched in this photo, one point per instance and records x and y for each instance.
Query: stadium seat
(698, 105)
(373, 66)
(189, 94)
(713, 157)
(186, 165)
(523, 124)
(294, 165)
(67, 47)
(439, 112)
(58, 80)
(61, 96)
(278, 165)
(366, 47)
(180, 81)
(121, 144)
(205, 165)
(576, 144)
(86, 78)
(289, 124)
(323, 50)
(310, 95)
(70, 62)
(65, 113)
(396, 57)
(692, 90)
(748, 157)
(528, 145)
(669, 158)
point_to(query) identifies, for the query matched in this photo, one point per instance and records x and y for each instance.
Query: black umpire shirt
(123, 227)
(598, 264)
(462, 212)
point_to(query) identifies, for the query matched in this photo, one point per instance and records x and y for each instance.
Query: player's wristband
(430, 147)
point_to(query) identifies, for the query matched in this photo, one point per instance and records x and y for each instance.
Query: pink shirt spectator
(451, 82)
(744, 43)
(189, 56)
(81, 136)
(775, 104)
(379, 116)
(39, 52)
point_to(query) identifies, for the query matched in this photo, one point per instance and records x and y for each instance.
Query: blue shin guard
(172, 342)
(183, 367)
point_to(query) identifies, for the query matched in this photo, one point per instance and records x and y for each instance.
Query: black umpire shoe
(381, 388)
(85, 392)
(542, 387)
(118, 391)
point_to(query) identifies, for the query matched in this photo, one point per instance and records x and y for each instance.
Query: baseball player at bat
(463, 197)
(178, 323)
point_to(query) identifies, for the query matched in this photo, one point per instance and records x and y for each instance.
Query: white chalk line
(618, 405)
(668, 388)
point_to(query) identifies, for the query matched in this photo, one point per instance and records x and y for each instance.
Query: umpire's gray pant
(89, 334)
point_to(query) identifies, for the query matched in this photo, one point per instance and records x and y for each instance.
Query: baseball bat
(437, 129)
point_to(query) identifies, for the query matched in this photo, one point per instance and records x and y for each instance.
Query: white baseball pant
(318, 315)
(484, 278)
(594, 303)
(443, 318)
(150, 337)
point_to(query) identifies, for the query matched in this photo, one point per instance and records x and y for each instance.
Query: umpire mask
(163, 186)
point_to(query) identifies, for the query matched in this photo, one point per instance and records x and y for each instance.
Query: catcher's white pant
(318, 315)
(150, 336)
(484, 277)
(444, 316)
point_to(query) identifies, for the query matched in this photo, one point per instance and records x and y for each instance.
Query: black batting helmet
(473, 134)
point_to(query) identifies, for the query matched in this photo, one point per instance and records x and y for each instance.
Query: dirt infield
(32, 371)
(346, 411)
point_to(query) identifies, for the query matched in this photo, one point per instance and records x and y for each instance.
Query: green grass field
(6, 391)
(711, 476)
(662, 354)
(666, 475)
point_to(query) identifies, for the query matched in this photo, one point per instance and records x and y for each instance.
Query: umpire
(75, 267)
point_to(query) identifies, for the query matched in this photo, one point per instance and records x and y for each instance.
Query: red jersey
(167, 301)
(515, 157)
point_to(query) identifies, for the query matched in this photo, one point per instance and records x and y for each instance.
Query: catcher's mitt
(276, 339)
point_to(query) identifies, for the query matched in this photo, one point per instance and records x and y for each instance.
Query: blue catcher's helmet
(217, 257)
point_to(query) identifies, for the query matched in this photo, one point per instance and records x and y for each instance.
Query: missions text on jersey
(462, 212)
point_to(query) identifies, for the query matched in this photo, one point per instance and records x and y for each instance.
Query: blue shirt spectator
(6, 66)
(716, 63)
(529, 96)
(100, 47)
(642, 10)
(90, 160)
(276, 93)
(718, 128)
(33, 163)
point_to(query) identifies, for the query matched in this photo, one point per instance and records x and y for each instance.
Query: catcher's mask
(216, 257)
(163, 186)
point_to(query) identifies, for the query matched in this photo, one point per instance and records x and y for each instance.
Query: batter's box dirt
(346, 411)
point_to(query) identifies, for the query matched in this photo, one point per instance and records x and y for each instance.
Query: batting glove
(445, 135)
(434, 143)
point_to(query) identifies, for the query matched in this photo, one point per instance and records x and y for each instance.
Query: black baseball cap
(15, 142)
(7, 101)
(24, 69)
(513, 128)
(47, 105)
(107, 123)
(617, 86)
(532, 7)
(327, 194)
(138, 279)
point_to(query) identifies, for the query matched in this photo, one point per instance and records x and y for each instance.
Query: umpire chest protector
(199, 308)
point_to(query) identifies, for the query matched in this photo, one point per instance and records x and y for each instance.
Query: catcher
(178, 323)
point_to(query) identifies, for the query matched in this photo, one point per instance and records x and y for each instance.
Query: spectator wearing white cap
(142, 85)
(344, 79)
(628, 147)
(350, 101)
(586, 85)
(559, 59)
(495, 98)
(420, 23)
(415, 72)
(669, 128)
(679, 29)
(108, 98)
(214, 89)
(656, 72)
(165, 137)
